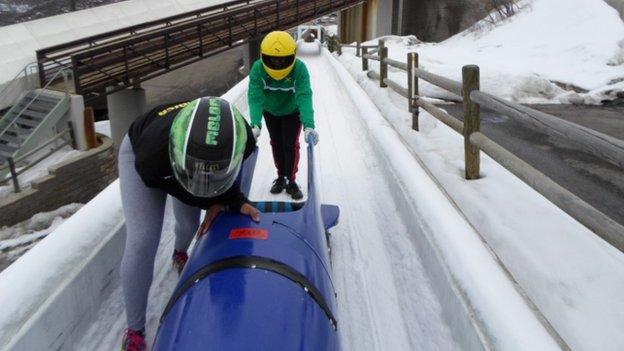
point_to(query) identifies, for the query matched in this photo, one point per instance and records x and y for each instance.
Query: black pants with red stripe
(284, 132)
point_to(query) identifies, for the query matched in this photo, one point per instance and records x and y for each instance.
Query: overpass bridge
(105, 63)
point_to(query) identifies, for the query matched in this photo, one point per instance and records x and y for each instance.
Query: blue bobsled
(258, 286)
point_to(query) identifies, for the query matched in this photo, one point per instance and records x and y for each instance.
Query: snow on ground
(103, 127)
(384, 297)
(574, 278)
(331, 29)
(18, 239)
(578, 42)
(38, 171)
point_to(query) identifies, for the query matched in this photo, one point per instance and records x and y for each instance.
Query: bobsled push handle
(246, 172)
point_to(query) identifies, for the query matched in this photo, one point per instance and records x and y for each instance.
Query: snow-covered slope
(574, 277)
(577, 42)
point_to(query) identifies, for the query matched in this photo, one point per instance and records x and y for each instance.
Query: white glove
(311, 135)
(256, 132)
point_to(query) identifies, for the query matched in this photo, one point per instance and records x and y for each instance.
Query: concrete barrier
(50, 293)
(76, 180)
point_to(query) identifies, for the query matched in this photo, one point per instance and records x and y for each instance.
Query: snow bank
(487, 293)
(103, 127)
(331, 29)
(31, 285)
(573, 42)
(39, 226)
(308, 49)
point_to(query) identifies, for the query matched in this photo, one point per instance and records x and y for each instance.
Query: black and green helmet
(207, 145)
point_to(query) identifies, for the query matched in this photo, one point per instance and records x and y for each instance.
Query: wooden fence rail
(585, 139)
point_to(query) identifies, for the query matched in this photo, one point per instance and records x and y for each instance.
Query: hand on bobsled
(311, 136)
(251, 211)
(256, 131)
(211, 214)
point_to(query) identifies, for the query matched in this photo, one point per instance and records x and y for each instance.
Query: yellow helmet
(278, 54)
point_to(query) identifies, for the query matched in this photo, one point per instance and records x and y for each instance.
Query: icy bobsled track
(384, 299)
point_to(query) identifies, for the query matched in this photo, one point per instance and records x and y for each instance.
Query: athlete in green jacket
(279, 90)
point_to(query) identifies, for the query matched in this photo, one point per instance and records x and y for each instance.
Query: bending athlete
(192, 151)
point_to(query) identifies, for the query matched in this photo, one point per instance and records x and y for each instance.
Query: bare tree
(501, 9)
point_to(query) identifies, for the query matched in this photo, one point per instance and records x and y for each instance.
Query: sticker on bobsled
(249, 233)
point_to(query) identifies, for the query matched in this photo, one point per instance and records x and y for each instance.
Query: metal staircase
(31, 118)
(29, 121)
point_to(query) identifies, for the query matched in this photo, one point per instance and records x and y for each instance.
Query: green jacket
(280, 97)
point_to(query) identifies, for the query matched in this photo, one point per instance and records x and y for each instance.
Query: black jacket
(149, 135)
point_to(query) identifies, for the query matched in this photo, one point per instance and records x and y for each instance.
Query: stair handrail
(30, 68)
(62, 71)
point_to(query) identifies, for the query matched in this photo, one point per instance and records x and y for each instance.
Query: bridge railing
(58, 56)
(126, 57)
(598, 144)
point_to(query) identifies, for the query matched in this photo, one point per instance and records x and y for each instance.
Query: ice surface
(384, 297)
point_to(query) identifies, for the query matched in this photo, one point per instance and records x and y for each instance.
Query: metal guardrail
(126, 57)
(9, 88)
(54, 57)
(585, 139)
(11, 165)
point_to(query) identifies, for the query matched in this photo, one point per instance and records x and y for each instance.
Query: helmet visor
(204, 179)
(278, 62)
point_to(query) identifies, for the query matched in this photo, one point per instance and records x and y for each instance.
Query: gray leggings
(144, 209)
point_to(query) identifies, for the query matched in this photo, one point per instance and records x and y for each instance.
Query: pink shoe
(133, 341)
(179, 260)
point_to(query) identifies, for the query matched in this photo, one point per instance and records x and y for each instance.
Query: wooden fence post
(472, 120)
(358, 48)
(412, 85)
(383, 67)
(364, 60)
(16, 185)
(410, 81)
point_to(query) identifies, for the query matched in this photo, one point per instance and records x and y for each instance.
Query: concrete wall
(436, 20)
(352, 25)
(76, 180)
(60, 322)
(429, 20)
(53, 292)
(364, 22)
(212, 76)
(618, 5)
